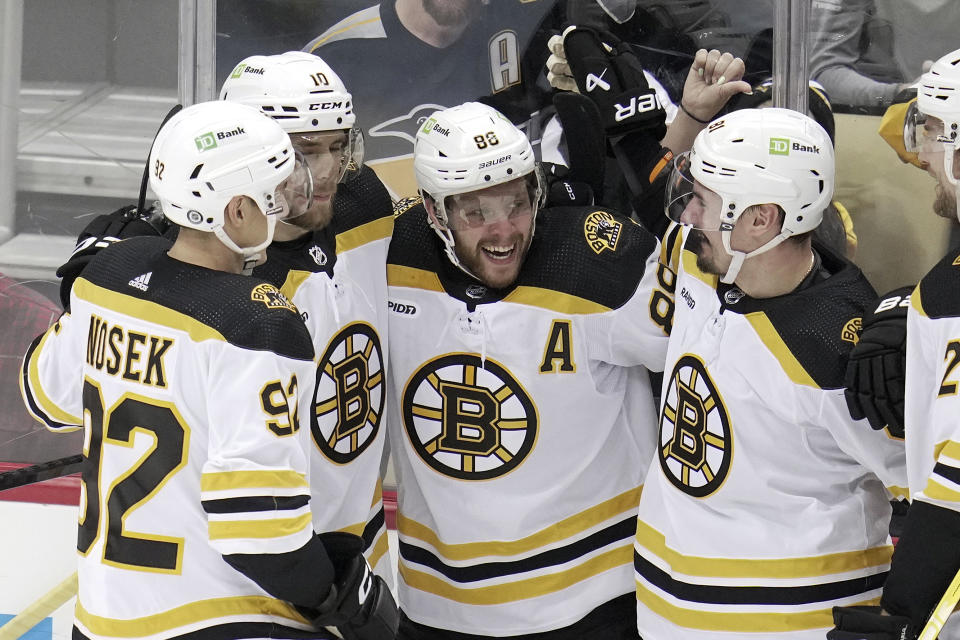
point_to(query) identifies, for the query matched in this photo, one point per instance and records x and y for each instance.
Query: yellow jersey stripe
(379, 548)
(738, 622)
(520, 589)
(144, 310)
(346, 28)
(554, 300)
(948, 448)
(775, 344)
(809, 566)
(937, 491)
(917, 302)
(272, 528)
(400, 276)
(619, 505)
(270, 479)
(191, 613)
(364, 234)
(36, 388)
(295, 278)
(689, 259)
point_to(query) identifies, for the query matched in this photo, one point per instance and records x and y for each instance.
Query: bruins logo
(851, 330)
(696, 444)
(349, 396)
(271, 297)
(602, 231)
(469, 420)
(405, 204)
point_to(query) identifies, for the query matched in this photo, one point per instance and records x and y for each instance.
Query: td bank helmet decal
(469, 421)
(696, 443)
(349, 396)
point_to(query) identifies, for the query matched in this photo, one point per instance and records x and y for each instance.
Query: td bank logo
(779, 146)
(238, 71)
(206, 142)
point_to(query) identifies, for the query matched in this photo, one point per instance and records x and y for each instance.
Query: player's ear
(235, 213)
(766, 217)
(431, 208)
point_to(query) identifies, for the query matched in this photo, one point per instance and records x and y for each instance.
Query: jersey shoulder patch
(246, 311)
(588, 252)
(940, 288)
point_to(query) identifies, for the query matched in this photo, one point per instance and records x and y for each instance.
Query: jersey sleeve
(877, 451)
(254, 485)
(637, 332)
(51, 374)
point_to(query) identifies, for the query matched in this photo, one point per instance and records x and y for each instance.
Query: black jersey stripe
(373, 526)
(28, 395)
(765, 595)
(946, 471)
(617, 532)
(239, 631)
(255, 503)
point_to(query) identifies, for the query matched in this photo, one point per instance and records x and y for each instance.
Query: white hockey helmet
(301, 92)
(752, 157)
(938, 96)
(211, 152)
(468, 148)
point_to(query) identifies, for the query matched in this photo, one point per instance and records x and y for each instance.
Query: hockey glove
(867, 623)
(360, 604)
(103, 231)
(875, 370)
(607, 72)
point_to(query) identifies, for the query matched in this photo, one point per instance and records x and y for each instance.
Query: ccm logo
(403, 308)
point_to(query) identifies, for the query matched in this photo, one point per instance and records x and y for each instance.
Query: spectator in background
(864, 52)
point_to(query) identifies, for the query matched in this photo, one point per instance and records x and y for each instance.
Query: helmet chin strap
(738, 257)
(251, 255)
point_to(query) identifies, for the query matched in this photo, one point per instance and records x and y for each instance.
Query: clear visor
(689, 202)
(294, 194)
(507, 201)
(335, 155)
(921, 133)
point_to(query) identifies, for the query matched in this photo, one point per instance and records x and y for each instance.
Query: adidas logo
(142, 281)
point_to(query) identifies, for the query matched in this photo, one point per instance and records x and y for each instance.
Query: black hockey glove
(875, 370)
(608, 73)
(867, 623)
(360, 604)
(103, 231)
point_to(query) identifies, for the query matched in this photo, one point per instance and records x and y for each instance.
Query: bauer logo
(206, 142)
(779, 146)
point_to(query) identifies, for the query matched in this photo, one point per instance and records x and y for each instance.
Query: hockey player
(520, 393)
(141, 360)
(331, 263)
(927, 555)
(766, 504)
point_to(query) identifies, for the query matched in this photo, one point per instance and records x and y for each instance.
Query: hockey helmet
(302, 93)
(752, 157)
(466, 149)
(938, 96)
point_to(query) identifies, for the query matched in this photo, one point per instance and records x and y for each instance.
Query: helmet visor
(689, 202)
(922, 133)
(336, 154)
(511, 200)
(296, 192)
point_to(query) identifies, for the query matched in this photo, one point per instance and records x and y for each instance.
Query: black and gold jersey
(766, 504)
(190, 384)
(522, 422)
(337, 278)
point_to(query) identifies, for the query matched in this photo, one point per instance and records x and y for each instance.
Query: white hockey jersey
(189, 384)
(766, 505)
(521, 423)
(337, 279)
(932, 402)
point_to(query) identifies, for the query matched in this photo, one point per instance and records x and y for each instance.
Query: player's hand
(558, 69)
(101, 232)
(360, 604)
(869, 623)
(714, 78)
(875, 370)
(607, 72)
